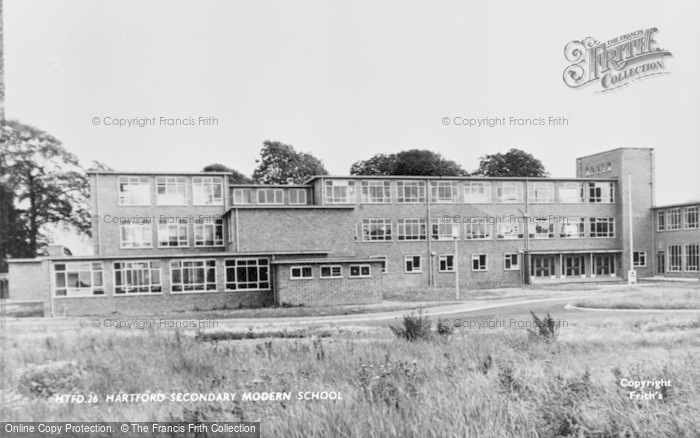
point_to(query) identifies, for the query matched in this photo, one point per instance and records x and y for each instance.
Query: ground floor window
(136, 277)
(331, 271)
(639, 258)
(78, 279)
(385, 263)
(300, 272)
(675, 258)
(692, 258)
(511, 262)
(446, 263)
(193, 275)
(248, 274)
(412, 263)
(479, 262)
(360, 271)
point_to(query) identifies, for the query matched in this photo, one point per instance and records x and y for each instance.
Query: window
(543, 228)
(78, 279)
(385, 263)
(572, 228)
(134, 190)
(478, 229)
(410, 192)
(601, 192)
(242, 196)
(297, 196)
(374, 230)
(602, 227)
(588, 171)
(331, 271)
(598, 169)
(171, 191)
(511, 262)
(446, 263)
(135, 235)
(691, 217)
(477, 192)
(208, 190)
(172, 235)
(411, 229)
(300, 272)
(660, 220)
(639, 258)
(571, 193)
(540, 192)
(360, 271)
(675, 258)
(376, 192)
(509, 192)
(208, 232)
(192, 275)
(248, 274)
(444, 192)
(609, 167)
(412, 264)
(509, 230)
(692, 258)
(137, 277)
(479, 262)
(673, 218)
(271, 196)
(340, 192)
(441, 230)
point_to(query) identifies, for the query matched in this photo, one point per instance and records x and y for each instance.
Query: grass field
(681, 298)
(499, 382)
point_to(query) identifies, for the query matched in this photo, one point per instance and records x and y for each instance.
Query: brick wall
(29, 281)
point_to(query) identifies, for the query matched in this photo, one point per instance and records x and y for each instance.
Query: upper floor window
(478, 229)
(573, 227)
(339, 191)
(171, 191)
(691, 217)
(540, 192)
(571, 193)
(411, 229)
(208, 190)
(660, 220)
(270, 196)
(673, 217)
(376, 230)
(543, 228)
(601, 192)
(376, 192)
(242, 196)
(477, 192)
(134, 190)
(509, 229)
(135, 235)
(78, 279)
(602, 227)
(297, 196)
(509, 192)
(410, 192)
(442, 230)
(444, 192)
(172, 234)
(208, 232)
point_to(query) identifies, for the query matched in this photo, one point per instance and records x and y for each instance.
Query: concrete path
(596, 309)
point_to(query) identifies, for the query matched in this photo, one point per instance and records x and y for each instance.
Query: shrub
(391, 383)
(547, 328)
(49, 379)
(416, 326)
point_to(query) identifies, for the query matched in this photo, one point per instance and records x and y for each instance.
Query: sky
(347, 80)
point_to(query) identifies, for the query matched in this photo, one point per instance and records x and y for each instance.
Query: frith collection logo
(615, 63)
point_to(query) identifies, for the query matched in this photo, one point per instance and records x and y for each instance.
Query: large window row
(683, 258)
(170, 190)
(673, 219)
(269, 196)
(306, 272)
(207, 231)
(338, 191)
(444, 228)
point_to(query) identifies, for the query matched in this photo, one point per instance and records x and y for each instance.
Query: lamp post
(455, 235)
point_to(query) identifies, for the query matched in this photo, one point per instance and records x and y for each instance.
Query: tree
(279, 163)
(515, 163)
(416, 162)
(47, 182)
(235, 176)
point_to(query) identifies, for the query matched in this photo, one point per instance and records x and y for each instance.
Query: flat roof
(327, 261)
(572, 251)
(683, 204)
(131, 172)
(460, 178)
(613, 150)
(292, 207)
(170, 256)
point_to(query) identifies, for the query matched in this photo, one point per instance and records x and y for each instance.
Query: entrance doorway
(661, 262)
(542, 267)
(604, 264)
(574, 265)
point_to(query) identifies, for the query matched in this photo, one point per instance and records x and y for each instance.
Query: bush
(547, 328)
(416, 326)
(49, 379)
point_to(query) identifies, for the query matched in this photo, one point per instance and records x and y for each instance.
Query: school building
(196, 241)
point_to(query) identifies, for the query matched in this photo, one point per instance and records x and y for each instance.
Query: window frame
(639, 259)
(469, 230)
(232, 265)
(199, 193)
(208, 266)
(298, 192)
(533, 192)
(200, 226)
(147, 230)
(277, 196)
(671, 214)
(580, 225)
(361, 267)
(178, 227)
(477, 258)
(437, 186)
(449, 260)
(508, 258)
(403, 223)
(413, 265)
(331, 270)
(386, 225)
(180, 182)
(594, 234)
(94, 272)
(661, 220)
(350, 191)
(483, 196)
(156, 288)
(692, 257)
(301, 275)
(142, 181)
(241, 192)
(688, 212)
(369, 187)
(418, 186)
(670, 258)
